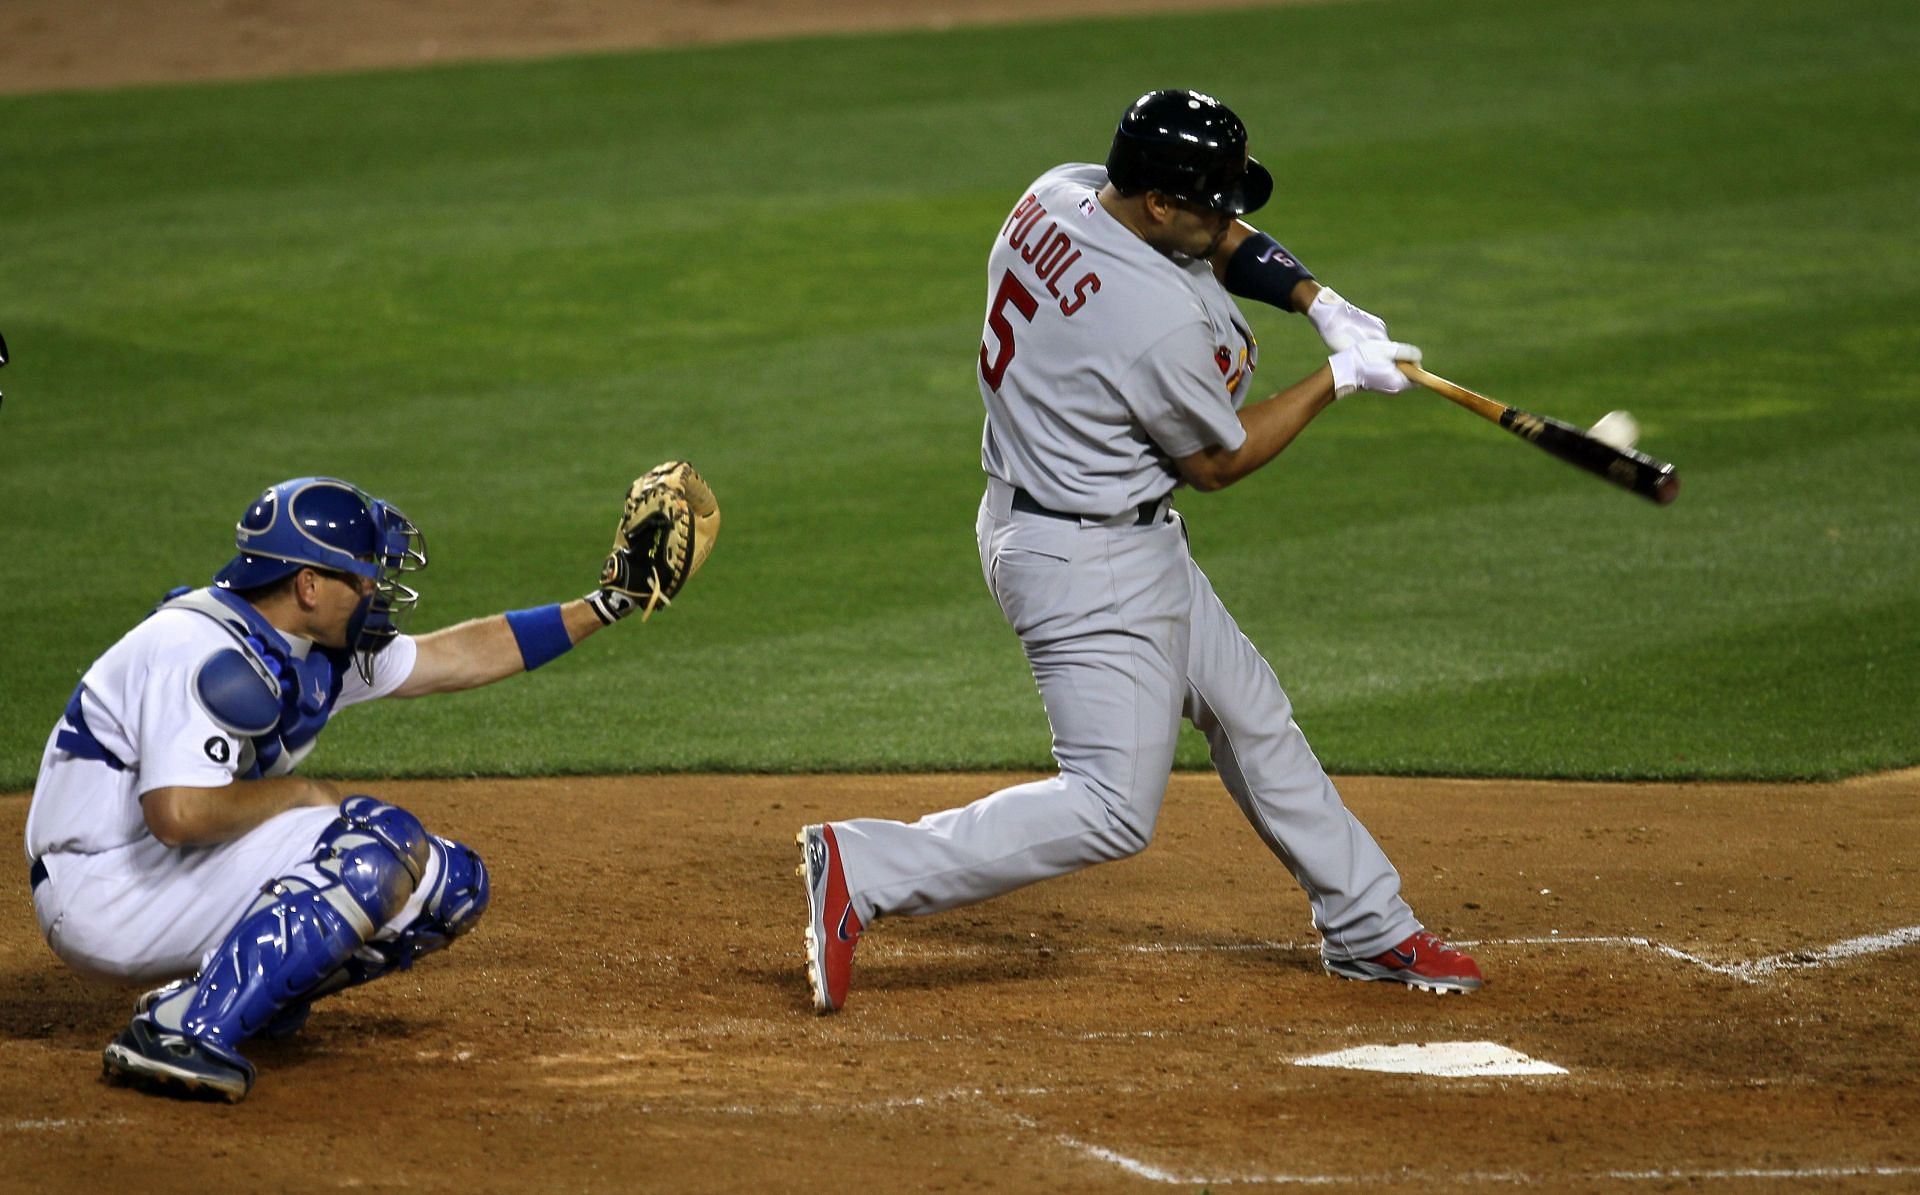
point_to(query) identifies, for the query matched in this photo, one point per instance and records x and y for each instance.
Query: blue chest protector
(257, 688)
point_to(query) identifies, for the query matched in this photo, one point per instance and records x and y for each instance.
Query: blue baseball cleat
(150, 1057)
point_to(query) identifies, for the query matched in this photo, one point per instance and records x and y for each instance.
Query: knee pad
(378, 853)
(459, 896)
(464, 890)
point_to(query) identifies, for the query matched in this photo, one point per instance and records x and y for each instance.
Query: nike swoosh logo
(1404, 958)
(841, 929)
(1274, 254)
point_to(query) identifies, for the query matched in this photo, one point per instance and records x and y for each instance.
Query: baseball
(1616, 429)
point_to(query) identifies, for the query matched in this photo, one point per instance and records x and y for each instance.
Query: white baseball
(1616, 429)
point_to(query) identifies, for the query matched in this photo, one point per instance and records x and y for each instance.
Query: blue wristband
(541, 634)
(1261, 268)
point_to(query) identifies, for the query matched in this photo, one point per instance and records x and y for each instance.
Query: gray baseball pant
(1125, 636)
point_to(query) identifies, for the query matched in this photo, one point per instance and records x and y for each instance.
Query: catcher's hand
(665, 533)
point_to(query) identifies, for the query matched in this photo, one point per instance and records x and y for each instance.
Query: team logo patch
(218, 749)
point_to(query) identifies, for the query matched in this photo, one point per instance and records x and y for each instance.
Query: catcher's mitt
(665, 533)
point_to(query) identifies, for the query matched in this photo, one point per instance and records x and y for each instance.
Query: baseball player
(1114, 366)
(168, 836)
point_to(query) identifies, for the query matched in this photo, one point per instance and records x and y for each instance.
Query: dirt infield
(59, 44)
(1729, 974)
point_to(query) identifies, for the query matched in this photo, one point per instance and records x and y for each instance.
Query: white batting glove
(1371, 365)
(1342, 325)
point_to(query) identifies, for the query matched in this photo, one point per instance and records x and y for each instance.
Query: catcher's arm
(483, 650)
(665, 533)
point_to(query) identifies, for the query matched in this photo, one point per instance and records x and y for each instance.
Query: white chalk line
(1158, 1174)
(1752, 971)
(55, 1124)
(818, 1108)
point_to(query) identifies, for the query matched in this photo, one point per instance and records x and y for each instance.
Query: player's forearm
(181, 816)
(1271, 424)
(483, 650)
(1252, 265)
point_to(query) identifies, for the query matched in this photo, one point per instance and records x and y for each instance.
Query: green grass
(494, 293)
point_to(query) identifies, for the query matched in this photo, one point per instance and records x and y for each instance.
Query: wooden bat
(1630, 470)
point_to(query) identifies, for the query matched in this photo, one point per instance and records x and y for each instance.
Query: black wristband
(1261, 268)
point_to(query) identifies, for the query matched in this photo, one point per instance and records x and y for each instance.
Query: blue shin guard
(299, 932)
(459, 895)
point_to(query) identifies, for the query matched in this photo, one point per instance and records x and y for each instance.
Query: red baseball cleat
(1422, 961)
(833, 929)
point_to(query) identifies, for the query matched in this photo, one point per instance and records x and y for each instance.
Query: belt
(37, 873)
(1150, 511)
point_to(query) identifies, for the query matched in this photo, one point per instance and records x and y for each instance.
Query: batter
(1114, 366)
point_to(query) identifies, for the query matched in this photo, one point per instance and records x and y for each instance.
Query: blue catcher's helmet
(334, 526)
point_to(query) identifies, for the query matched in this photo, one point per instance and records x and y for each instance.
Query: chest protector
(258, 689)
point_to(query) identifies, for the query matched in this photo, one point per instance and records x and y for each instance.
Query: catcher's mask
(1191, 146)
(329, 524)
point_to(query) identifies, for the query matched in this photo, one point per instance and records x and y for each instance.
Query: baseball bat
(1630, 470)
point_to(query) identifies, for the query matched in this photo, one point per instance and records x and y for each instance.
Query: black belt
(38, 873)
(1149, 511)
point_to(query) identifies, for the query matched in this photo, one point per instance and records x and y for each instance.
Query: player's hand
(1371, 365)
(1342, 325)
(666, 530)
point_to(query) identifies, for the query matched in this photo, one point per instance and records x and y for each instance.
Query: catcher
(169, 839)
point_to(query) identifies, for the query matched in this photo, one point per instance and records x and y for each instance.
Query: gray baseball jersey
(1102, 362)
(1102, 359)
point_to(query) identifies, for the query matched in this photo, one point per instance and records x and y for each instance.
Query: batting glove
(1340, 323)
(1371, 365)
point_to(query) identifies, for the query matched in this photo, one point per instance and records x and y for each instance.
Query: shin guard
(300, 931)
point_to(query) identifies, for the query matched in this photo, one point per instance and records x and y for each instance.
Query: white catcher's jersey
(1102, 360)
(139, 703)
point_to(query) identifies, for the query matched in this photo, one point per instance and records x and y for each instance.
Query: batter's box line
(1752, 971)
(1157, 1174)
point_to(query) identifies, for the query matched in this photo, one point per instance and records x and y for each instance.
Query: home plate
(1448, 1059)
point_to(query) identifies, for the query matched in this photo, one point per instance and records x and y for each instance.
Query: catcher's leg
(452, 895)
(301, 930)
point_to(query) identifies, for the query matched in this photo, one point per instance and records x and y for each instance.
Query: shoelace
(1427, 939)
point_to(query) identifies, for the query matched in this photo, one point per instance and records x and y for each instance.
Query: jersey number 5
(994, 368)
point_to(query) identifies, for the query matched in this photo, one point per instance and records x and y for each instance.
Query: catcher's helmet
(1190, 146)
(332, 525)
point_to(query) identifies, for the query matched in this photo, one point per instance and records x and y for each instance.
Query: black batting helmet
(1191, 146)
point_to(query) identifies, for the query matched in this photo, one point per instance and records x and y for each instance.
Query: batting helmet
(332, 525)
(1190, 146)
